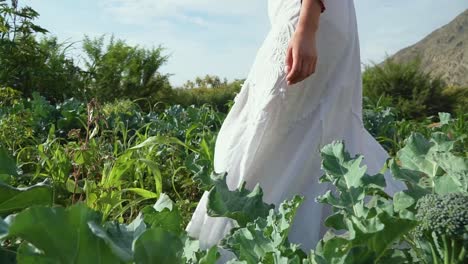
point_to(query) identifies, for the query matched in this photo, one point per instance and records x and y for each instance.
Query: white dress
(273, 132)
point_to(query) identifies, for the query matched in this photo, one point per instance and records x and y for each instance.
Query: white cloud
(195, 11)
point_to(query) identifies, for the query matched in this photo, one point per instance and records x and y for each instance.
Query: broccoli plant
(443, 225)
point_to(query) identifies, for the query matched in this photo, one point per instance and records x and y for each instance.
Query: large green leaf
(456, 169)
(15, 199)
(7, 164)
(265, 239)
(157, 245)
(119, 237)
(28, 254)
(62, 235)
(202, 171)
(3, 228)
(429, 165)
(241, 205)
(163, 214)
(7, 256)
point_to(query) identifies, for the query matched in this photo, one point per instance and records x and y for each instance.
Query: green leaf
(62, 235)
(414, 155)
(28, 254)
(15, 199)
(7, 256)
(444, 118)
(157, 245)
(156, 140)
(350, 179)
(266, 238)
(402, 201)
(241, 205)
(72, 187)
(211, 256)
(192, 253)
(429, 166)
(7, 164)
(3, 229)
(119, 237)
(142, 192)
(456, 169)
(381, 232)
(202, 172)
(338, 165)
(163, 214)
(154, 169)
(118, 170)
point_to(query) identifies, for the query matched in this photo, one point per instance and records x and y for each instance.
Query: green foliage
(103, 166)
(15, 199)
(241, 205)
(209, 90)
(265, 240)
(367, 225)
(9, 97)
(371, 226)
(47, 229)
(117, 70)
(29, 64)
(431, 166)
(77, 234)
(415, 94)
(461, 98)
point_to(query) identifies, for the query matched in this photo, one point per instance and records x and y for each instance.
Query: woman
(303, 91)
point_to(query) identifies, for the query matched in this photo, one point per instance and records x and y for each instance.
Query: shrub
(414, 93)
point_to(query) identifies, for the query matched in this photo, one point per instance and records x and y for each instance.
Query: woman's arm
(301, 56)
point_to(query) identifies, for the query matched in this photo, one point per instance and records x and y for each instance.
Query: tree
(29, 65)
(118, 70)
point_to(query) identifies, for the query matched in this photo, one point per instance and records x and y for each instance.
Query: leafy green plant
(78, 235)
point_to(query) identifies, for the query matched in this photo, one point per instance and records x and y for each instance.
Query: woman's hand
(301, 57)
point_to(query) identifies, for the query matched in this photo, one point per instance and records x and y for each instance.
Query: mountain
(444, 52)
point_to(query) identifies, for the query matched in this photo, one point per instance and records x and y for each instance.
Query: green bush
(461, 98)
(414, 94)
(207, 90)
(9, 96)
(118, 70)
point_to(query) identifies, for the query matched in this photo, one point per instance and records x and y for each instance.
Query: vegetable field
(111, 183)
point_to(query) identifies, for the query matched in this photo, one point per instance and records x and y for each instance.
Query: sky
(222, 37)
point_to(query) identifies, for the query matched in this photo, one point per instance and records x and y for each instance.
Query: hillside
(444, 52)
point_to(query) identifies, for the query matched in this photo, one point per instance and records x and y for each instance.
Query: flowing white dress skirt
(273, 132)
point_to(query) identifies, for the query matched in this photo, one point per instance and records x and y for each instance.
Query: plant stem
(446, 250)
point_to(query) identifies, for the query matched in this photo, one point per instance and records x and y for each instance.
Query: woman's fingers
(314, 66)
(289, 59)
(306, 71)
(308, 68)
(295, 70)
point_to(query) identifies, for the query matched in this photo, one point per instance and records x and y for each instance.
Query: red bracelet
(322, 5)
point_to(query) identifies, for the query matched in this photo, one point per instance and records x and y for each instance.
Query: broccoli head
(444, 214)
(443, 222)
